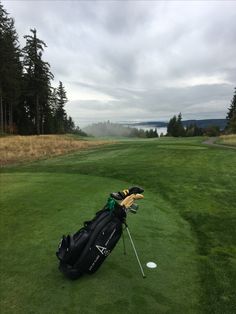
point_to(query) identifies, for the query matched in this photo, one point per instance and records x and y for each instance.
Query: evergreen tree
(172, 126)
(139, 133)
(69, 125)
(155, 133)
(57, 119)
(10, 72)
(53, 104)
(78, 131)
(28, 104)
(175, 127)
(193, 130)
(231, 115)
(151, 133)
(48, 123)
(60, 114)
(37, 78)
(180, 131)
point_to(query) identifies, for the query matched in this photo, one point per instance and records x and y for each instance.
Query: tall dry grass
(228, 139)
(14, 149)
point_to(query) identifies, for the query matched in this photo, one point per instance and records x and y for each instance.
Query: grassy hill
(186, 224)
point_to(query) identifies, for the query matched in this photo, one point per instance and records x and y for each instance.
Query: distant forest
(28, 102)
(201, 123)
(176, 127)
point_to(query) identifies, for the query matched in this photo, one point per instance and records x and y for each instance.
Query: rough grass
(15, 149)
(227, 140)
(186, 224)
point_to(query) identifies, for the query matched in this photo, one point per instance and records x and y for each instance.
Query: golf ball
(151, 265)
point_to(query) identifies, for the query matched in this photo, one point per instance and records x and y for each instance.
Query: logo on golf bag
(103, 250)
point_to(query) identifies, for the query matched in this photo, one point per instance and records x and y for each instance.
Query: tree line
(175, 127)
(28, 102)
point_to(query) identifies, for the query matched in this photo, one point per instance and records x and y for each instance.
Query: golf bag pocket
(70, 247)
(69, 271)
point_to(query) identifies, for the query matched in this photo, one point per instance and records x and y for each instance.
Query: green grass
(186, 224)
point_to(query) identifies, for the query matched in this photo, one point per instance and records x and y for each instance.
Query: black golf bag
(85, 251)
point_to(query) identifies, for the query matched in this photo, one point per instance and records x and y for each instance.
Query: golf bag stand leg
(135, 252)
(123, 238)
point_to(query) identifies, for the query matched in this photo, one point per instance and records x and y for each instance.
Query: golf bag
(86, 250)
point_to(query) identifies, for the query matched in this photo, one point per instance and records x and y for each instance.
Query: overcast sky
(137, 60)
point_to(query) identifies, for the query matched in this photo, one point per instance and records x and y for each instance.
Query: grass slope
(186, 224)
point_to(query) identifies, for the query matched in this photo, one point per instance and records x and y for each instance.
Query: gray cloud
(194, 101)
(122, 60)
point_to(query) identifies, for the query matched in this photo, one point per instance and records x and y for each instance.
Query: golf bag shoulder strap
(92, 237)
(98, 216)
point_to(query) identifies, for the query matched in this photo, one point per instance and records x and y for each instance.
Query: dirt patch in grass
(14, 149)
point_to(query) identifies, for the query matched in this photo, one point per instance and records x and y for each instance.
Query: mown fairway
(186, 224)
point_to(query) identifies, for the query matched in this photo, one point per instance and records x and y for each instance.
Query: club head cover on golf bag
(85, 251)
(123, 194)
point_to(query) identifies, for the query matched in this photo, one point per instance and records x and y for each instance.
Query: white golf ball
(151, 265)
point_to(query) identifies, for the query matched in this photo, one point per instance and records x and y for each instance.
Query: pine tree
(231, 115)
(60, 113)
(69, 125)
(171, 127)
(180, 131)
(28, 104)
(48, 123)
(155, 133)
(175, 127)
(37, 81)
(10, 72)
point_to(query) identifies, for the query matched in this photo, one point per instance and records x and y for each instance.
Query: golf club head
(133, 208)
(122, 195)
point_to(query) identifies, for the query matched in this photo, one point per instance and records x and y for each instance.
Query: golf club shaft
(136, 254)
